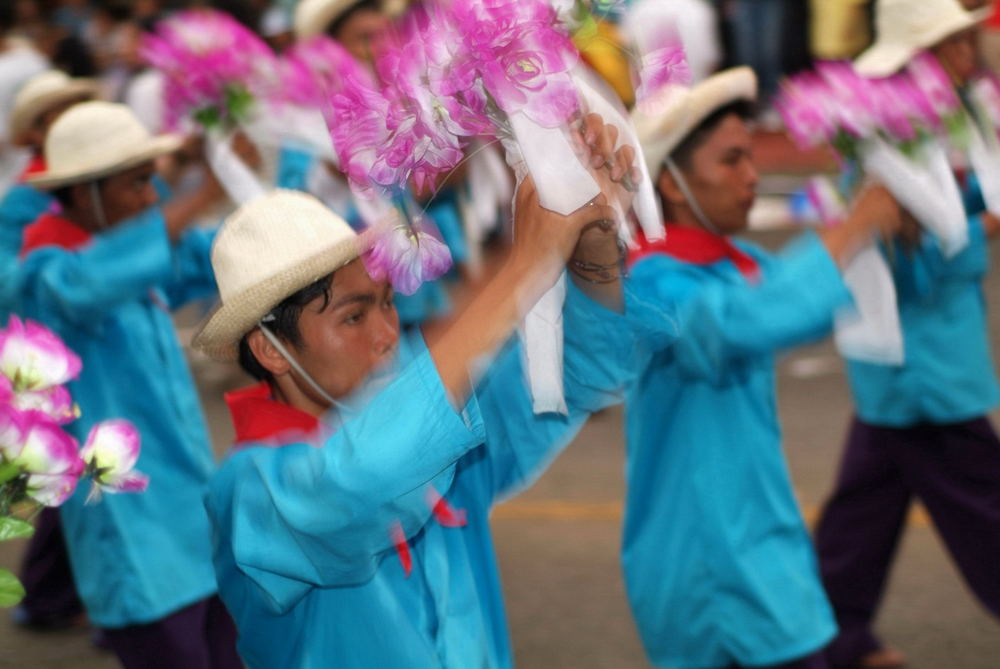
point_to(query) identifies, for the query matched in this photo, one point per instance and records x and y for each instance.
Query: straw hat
(663, 122)
(265, 251)
(905, 27)
(97, 139)
(43, 92)
(313, 17)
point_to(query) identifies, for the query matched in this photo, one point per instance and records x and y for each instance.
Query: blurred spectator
(758, 31)
(840, 28)
(989, 40)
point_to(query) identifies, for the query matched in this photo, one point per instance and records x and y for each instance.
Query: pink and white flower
(33, 358)
(663, 65)
(51, 459)
(931, 79)
(54, 403)
(110, 453)
(405, 256)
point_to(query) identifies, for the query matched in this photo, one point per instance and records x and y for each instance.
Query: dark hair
(685, 150)
(7, 15)
(285, 325)
(64, 194)
(338, 23)
(74, 57)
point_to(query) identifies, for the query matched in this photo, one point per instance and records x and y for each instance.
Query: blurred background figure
(695, 22)
(839, 29)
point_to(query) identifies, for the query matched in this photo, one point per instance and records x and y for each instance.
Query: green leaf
(15, 528)
(11, 590)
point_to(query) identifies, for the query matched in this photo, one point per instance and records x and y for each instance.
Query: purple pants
(50, 598)
(954, 470)
(201, 636)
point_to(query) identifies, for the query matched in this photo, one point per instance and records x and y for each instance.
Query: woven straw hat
(41, 93)
(97, 139)
(905, 27)
(266, 250)
(312, 17)
(663, 122)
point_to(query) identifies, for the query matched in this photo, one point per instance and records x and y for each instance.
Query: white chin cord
(297, 367)
(689, 196)
(98, 206)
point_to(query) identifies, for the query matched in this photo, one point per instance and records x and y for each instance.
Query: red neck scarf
(35, 166)
(698, 247)
(52, 230)
(258, 418)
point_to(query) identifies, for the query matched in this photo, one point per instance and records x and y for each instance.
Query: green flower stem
(8, 471)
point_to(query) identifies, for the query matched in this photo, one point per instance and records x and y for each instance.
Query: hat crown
(40, 85)
(272, 235)
(909, 21)
(91, 135)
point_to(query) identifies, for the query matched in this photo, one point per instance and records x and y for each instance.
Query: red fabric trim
(36, 166)
(698, 247)
(53, 230)
(445, 513)
(258, 417)
(402, 549)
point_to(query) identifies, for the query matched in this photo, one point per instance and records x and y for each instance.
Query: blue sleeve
(603, 351)
(293, 169)
(302, 516)
(721, 323)
(192, 276)
(972, 195)
(115, 267)
(916, 271)
(20, 206)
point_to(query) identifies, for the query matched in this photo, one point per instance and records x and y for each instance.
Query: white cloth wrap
(238, 180)
(870, 330)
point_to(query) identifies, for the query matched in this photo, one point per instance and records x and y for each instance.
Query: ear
(267, 355)
(672, 195)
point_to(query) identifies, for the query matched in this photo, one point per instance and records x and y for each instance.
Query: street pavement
(557, 542)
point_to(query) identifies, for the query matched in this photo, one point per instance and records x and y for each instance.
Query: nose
(386, 331)
(750, 172)
(149, 195)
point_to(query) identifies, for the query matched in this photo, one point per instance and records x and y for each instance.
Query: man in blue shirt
(921, 428)
(352, 520)
(718, 564)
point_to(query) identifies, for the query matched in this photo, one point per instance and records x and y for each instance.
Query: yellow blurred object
(841, 29)
(602, 48)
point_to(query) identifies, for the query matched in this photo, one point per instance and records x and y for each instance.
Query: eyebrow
(361, 298)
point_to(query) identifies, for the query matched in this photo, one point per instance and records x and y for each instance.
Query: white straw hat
(265, 251)
(313, 17)
(97, 139)
(662, 122)
(43, 92)
(905, 27)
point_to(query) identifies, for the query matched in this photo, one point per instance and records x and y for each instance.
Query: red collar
(52, 230)
(258, 417)
(696, 246)
(35, 166)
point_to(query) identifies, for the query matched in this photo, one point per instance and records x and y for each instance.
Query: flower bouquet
(40, 464)
(896, 129)
(216, 74)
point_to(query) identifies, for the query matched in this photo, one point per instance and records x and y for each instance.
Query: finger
(605, 146)
(624, 158)
(596, 213)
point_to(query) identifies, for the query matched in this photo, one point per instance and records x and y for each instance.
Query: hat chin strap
(689, 196)
(98, 206)
(290, 359)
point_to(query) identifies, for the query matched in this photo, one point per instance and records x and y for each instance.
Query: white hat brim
(884, 59)
(23, 117)
(156, 147)
(220, 334)
(674, 117)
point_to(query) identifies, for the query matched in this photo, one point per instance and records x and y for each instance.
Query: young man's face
(958, 55)
(722, 175)
(352, 336)
(128, 193)
(362, 32)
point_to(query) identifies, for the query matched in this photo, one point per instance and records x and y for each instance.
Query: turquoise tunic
(948, 372)
(304, 540)
(136, 557)
(719, 566)
(20, 206)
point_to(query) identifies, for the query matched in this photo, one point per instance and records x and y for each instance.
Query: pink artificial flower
(315, 69)
(986, 88)
(11, 432)
(6, 391)
(404, 255)
(849, 97)
(893, 111)
(50, 458)
(55, 403)
(931, 79)
(804, 110)
(356, 117)
(664, 65)
(521, 57)
(110, 453)
(214, 66)
(33, 358)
